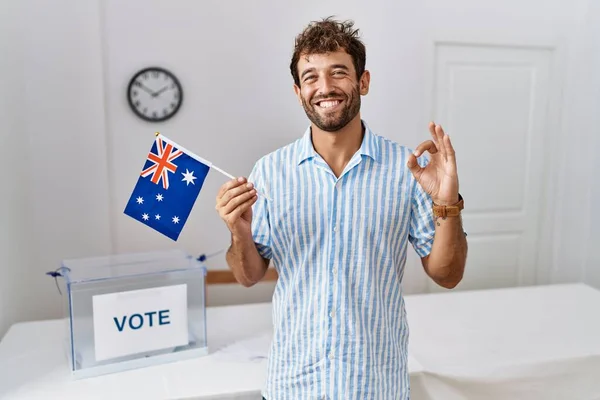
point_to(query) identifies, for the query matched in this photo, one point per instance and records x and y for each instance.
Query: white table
(521, 343)
(33, 364)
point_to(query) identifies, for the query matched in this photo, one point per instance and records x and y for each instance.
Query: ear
(365, 81)
(298, 93)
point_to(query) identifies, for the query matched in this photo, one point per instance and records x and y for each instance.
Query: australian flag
(167, 187)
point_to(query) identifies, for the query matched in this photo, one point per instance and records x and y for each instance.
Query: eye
(309, 78)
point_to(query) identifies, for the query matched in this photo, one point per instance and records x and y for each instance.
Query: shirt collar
(369, 146)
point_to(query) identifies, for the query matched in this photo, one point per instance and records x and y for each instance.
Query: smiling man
(344, 205)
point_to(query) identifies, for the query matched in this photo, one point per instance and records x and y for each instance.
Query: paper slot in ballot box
(129, 311)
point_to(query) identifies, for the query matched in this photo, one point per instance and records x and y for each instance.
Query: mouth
(328, 104)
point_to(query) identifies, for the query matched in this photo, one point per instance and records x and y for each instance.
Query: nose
(326, 86)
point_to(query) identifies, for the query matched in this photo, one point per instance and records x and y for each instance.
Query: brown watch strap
(449, 211)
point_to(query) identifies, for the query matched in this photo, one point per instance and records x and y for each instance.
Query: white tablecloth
(33, 364)
(520, 343)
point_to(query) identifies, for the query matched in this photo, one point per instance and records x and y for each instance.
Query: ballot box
(132, 310)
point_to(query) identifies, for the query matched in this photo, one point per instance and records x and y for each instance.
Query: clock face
(154, 94)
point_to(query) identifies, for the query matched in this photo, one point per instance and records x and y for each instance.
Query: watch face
(154, 94)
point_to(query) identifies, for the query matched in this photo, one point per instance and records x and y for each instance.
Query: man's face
(329, 90)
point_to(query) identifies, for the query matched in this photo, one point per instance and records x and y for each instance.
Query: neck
(337, 148)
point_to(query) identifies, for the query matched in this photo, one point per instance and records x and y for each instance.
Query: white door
(491, 78)
(494, 101)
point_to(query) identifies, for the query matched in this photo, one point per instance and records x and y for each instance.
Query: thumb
(413, 165)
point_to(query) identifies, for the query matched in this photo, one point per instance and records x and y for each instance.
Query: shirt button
(331, 356)
(335, 228)
(332, 314)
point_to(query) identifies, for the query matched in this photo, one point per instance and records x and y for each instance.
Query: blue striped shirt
(339, 246)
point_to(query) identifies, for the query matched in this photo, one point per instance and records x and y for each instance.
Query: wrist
(450, 209)
(448, 202)
(240, 238)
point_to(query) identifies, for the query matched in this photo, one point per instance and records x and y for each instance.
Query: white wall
(68, 104)
(56, 200)
(224, 57)
(592, 261)
(14, 163)
(574, 153)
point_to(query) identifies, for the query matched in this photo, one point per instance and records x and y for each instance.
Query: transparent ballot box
(132, 310)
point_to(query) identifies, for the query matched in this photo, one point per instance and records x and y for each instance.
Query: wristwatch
(449, 211)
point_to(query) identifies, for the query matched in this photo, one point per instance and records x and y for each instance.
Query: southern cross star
(189, 177)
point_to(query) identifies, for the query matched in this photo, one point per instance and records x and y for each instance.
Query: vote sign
(138, 321)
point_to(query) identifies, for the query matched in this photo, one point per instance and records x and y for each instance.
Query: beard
(332, 121)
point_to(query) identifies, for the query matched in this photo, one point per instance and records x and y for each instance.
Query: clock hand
(160, 91)
(146, 89)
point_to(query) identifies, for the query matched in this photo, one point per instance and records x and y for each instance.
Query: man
(341, 206)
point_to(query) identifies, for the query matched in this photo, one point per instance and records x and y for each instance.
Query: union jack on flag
(167, 187)
(161, 162)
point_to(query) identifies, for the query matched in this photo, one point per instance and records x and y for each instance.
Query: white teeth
(327, 104)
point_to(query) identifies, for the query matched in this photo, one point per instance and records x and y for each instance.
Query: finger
(432, 131)
(450, 152)
(427, 145)
(226, 186)
(227, 208)
(233, 193)
(230, 185)
(436, 139)
(235, 214)
(439, 133)
(236, 201)
(414, 166)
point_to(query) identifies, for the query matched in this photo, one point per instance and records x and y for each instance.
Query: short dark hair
(329, 35)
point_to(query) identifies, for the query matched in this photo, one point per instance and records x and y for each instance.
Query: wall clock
(154, 94)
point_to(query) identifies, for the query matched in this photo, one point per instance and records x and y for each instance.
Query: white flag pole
(202, 160)
(227, 174)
